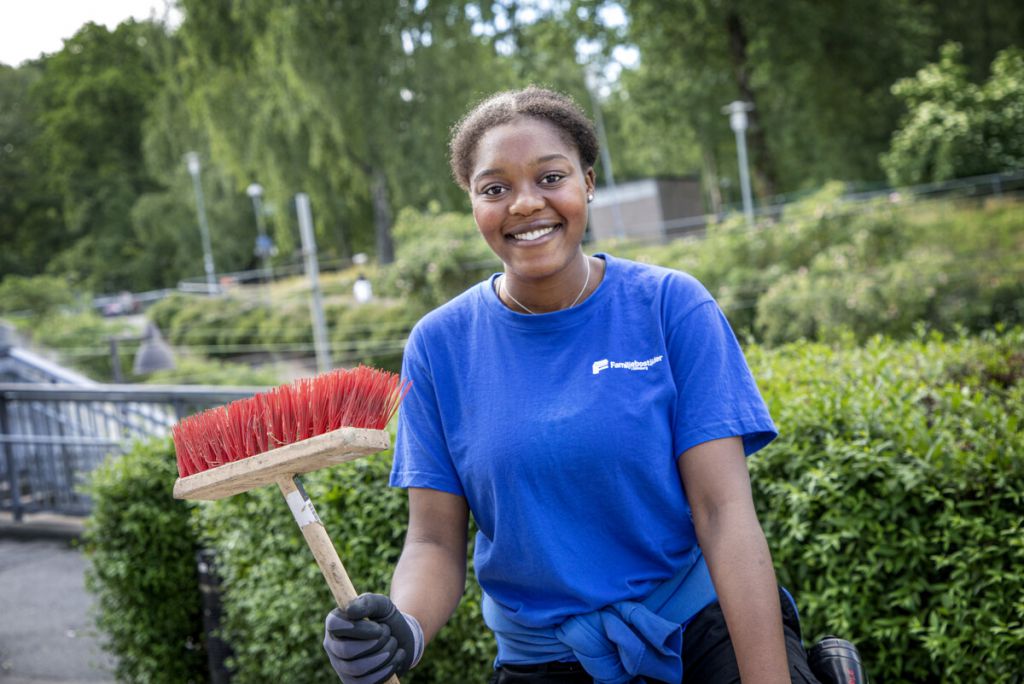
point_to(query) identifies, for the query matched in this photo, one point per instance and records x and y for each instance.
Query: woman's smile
(533, 232)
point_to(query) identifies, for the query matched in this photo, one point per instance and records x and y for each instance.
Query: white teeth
(534, 234)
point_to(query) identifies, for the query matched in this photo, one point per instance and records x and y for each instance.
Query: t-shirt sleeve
(717, 394)
(422, 458)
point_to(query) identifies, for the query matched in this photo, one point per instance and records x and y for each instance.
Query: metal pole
(115, 361)
(192, 159)
(741, 153)
(323, 351)
(255, 191)
(737, 112)
(606, 162)
(14, 482)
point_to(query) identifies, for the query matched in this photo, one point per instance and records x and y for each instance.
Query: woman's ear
(590, 180)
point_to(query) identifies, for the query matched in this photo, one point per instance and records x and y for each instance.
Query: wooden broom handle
(319, 542)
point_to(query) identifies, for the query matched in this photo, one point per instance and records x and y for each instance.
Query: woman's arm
(431, 574)
(717, 485)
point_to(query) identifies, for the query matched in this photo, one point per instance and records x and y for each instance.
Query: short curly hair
(507, 106)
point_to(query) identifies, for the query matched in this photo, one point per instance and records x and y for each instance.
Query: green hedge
(829, 266)
(893, 500)
(892, 503)
(275, 599)
(142, 546)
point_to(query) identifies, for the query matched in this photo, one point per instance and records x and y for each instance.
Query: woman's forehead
(523, 140)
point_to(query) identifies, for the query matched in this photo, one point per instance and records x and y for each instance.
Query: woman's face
(529, 195)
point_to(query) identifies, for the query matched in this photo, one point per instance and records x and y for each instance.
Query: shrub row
(371, 334)
(891, 500)
(829, 266)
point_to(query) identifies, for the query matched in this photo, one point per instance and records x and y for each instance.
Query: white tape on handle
(302, 509)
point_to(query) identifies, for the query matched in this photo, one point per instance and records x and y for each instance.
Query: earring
(590, 197)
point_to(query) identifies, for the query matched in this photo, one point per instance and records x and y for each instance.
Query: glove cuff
(417, 639)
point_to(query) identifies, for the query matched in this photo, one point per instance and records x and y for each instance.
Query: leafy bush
(954, 128)
(40, 295)
(81, 340)
(194, 370)
(879, 267)
(373, 334)
(141, 544)
(892, 500)
(437, 256)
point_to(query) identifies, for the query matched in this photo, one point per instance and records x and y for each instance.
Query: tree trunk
(762, 161)
(382, 217)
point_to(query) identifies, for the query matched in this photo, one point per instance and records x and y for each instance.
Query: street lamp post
(264, 245)
(737, 112)
(194, 166)
(593, 84)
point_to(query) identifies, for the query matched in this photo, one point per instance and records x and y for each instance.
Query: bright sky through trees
(28, 29)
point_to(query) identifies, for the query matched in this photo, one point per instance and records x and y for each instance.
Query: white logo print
(605, 364)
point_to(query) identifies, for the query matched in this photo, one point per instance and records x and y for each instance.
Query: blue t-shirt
(562, 431)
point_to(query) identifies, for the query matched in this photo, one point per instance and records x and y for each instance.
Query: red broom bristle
(361, 397)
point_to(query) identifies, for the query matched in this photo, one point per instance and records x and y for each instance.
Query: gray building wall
(652, 208)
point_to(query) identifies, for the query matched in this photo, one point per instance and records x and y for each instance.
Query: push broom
(275, 436)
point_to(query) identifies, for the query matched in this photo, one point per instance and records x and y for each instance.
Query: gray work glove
(371, 639)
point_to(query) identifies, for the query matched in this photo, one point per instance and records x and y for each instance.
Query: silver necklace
(525, 308)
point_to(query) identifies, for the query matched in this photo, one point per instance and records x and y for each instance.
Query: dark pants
(708, 657)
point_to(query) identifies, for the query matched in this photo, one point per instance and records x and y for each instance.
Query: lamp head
(154, 354)
(192, 161)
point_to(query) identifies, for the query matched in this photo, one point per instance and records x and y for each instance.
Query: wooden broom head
(292, 429)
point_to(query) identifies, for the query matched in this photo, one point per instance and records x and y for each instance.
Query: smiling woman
(593, 414)
(529, 194)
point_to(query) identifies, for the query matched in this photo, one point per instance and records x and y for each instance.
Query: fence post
(217, 650)
(12, 466)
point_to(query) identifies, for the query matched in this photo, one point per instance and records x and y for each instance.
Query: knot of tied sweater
(620, 643)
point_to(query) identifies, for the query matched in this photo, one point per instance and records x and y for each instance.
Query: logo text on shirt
(605, 364)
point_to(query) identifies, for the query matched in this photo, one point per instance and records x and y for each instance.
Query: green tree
(31, 223)
(955, 128)
(817, 74)
(93, 96)
(349, 102)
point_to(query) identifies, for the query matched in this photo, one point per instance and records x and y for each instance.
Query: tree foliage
(93, 96)
(954, 128)
(351, 102)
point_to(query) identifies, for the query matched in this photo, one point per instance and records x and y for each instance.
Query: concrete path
(47, 634)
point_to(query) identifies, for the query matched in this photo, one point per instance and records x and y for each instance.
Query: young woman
(594, 415)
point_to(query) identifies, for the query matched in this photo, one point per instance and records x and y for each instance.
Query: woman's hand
(371, 640)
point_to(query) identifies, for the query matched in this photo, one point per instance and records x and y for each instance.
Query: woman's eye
(550, 178)
(492, 190)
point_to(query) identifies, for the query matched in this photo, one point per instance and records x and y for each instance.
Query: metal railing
(53, 435)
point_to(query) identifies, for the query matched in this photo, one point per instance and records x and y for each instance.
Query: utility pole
(194, 166)
(593, 84)
(320, 344)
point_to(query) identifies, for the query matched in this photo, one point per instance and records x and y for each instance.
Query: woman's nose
(526, 202)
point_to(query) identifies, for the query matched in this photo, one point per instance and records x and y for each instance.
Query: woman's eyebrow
(549, 157)
(540, 160)
(486, 172)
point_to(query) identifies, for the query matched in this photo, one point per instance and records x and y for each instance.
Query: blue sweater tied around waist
(624, 642)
